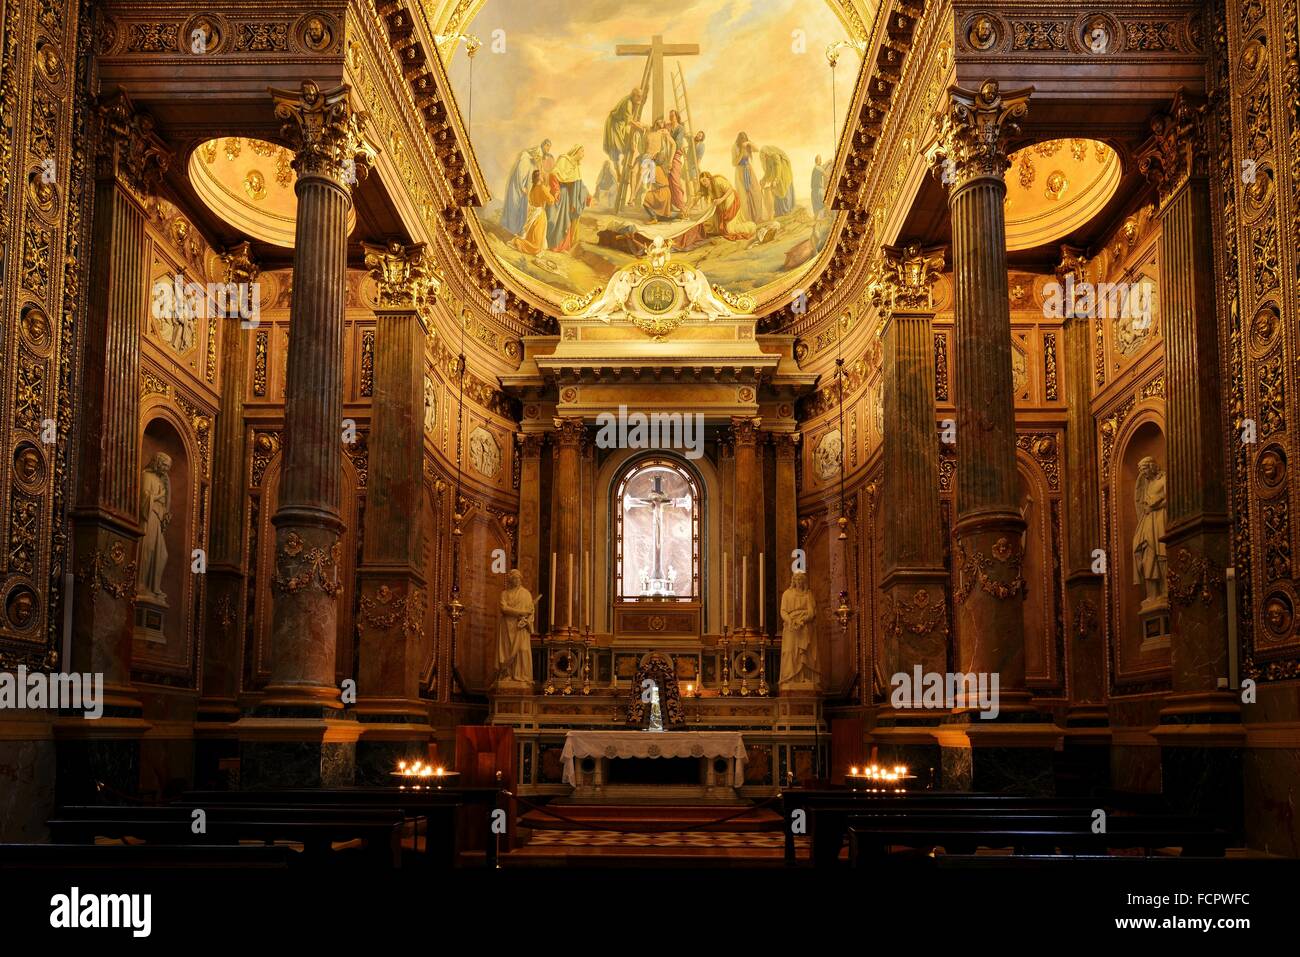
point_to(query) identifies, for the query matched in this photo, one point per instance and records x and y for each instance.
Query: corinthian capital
(406, 276)
(326, 135)
(238, 264)
(974, 131)
(907, 278)
(128, 149)
(1176, 150)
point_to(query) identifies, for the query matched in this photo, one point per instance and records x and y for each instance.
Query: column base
(999, 757)
(277, 752)
(216, 753)
(391, 731)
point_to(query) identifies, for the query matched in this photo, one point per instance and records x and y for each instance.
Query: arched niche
(826, 576)
(711, 546)
(170, 488)
(1140, 646)
(263, 606)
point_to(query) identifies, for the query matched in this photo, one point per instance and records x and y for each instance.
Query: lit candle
(552, 608)
(569, 618)
(762, 612)
(744, 592)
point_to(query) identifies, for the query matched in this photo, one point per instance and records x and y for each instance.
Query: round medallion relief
(1279, 615)
(1270, 469)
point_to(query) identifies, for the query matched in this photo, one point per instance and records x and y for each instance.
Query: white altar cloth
(654, 744)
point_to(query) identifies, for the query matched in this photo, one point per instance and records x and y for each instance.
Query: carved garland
(386, 610)
(920, 616)
(95, 571)
(974, 569)
(297, 568)
(1193, 576)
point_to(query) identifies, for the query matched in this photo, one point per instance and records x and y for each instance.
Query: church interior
(872, 456)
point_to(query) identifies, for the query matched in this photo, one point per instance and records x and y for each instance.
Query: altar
(719, 757)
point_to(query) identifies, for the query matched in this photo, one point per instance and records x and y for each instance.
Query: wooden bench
(871, 836)
(131, 856)
(317, 829)
(444, 811)
(827, 812)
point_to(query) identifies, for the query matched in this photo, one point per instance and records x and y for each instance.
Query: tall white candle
(569, 617)
(551, 609)
(744, 592)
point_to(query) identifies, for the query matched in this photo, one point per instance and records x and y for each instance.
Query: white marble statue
(1148, 546)
(800, 670)
(612, 303)
(155, 516)
(514, 635)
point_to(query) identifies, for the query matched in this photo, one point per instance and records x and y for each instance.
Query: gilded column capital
(907, 278)
(530, 444)
(405, 276)
(974, 130)
(326, 135)
(127, 148)
(787, 444)
(569, 431)
(744, 430)
(238, 264)
(1071, 271)
(1176, 150)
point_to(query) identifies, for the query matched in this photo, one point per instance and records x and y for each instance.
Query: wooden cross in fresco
(656, 50)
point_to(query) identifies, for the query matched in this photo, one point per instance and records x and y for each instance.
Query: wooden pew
(119, 857)
(444, 810)
(317, 829)
(827, 811)
(870, 836)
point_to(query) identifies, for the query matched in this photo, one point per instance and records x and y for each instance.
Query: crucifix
(657, 500)
(656, 51)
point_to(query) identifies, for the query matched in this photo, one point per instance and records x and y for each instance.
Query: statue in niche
(430, 406)
(1148, 547)
(514, 635)
(155, 515)
(800, 670)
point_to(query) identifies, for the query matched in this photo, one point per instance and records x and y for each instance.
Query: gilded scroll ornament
(907, 278)
(404, 276)
(1175, 152)
(921, 615)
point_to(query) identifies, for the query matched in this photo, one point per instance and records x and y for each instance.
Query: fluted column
(565, 616)
(224, 591)
(106, 518)
(330, 157)
(1083, 584)
(914, 610)
(393, 593)
(107, 527)
(787, 524)
(987, 552)
(530, 510)
(1196, 536)
(749, 524)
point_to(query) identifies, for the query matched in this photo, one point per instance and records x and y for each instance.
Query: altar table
(655, 744)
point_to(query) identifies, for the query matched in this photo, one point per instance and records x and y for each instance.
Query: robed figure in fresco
(621, 127)
(778, 179)
(800, 670)
(514, 634)
(518, 183)
(571, 198)
(532, 238)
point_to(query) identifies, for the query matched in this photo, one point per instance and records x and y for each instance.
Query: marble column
(787, 523)
(530, 512)
(330, 157)
(915, 605)
(130, 158)
(748, 536)
(1200, 734)
(224, 598)
(1083, 585)
(989, 599)
(989, 585)
(393, 589)
(568, 437)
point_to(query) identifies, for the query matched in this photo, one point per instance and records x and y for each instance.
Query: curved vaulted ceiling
(538, 95)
